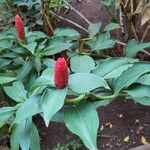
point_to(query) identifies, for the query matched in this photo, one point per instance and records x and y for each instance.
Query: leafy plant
(69, 89)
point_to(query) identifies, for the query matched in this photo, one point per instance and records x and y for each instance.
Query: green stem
(88, 95)
(77, 12)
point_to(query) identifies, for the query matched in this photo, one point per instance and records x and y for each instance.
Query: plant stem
(95, 55)
(77, 12)
(62, 18)
(88, 95)
(145, 33)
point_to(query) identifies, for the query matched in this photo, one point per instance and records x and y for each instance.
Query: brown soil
(121, 118)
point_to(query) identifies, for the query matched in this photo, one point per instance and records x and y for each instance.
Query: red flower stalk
(61, 73)
(19, 27)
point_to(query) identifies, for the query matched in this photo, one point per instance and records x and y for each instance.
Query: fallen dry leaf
(120, 116)
(111, 126)
(126, 139)
(102, 128)
(143, 140)
(139, 8)
(145, 14)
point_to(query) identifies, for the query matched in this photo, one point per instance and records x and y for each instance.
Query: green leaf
(4, 62)
(67, 33)
(32, 36)
(52, 101)
(139, 91)
(58, 117)
(49, 62)
(85, 82)
(31, 47)
(145, 79)
(142, 100)
(5, 114)
(35, 139)
(38, 64)
(115, 69)
(5, 43)
(82, 63)
(47, 78)
(133, 47)
(131, 75)
(94, 29)
(83, 121)
(111, 26)
(56, 46)
(5, 79)
(16, 92)
(108, 3)
(102, 42)
(28, 109)
(26, 135)
(24, 70)
(98, 104)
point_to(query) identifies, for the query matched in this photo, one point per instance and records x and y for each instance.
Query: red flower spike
(19, 27)
(61, 73)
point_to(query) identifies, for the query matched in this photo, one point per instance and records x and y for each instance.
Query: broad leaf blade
(113, 67)
(82, 64)
(52, 101)
(133, 47)
(34, 107)
(16, 92)
(83, 121)
(131, 75)
(85, 82)
(94, 28)
(5, 79)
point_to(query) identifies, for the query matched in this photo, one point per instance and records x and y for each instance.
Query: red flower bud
(61, 73)
(19, 27)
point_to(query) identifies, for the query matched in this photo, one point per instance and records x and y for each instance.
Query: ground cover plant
(63, 77)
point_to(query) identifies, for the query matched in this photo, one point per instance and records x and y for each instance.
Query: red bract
(61, 73)
(19, 27)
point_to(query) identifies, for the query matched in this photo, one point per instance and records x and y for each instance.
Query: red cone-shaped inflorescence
(19, 27)
(61, 73)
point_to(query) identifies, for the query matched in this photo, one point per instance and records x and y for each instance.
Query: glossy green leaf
(94, 29)
(49, 62)
(5, 114)
(113, 67)
(67, 33)
(31, 47)
(5, 79)
(108, 3)
(16, 92)
(26, 135)
(24, 70)
(85, 82)
(142, 100)
(52, 101)
(38, 64)
(145, 79)
(5, 43)
(139, 91)
(133, 47)
(47, 78)
(102, 42)
(83, 121)
(4, 62)
(131, 75)
(82, 63)
(55, 46)
(111, 26)
(28, 109)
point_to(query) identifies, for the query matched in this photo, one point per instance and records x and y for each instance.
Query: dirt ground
(120, 119)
